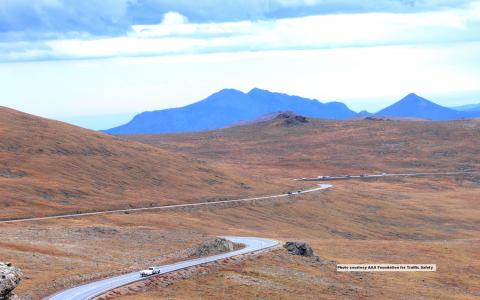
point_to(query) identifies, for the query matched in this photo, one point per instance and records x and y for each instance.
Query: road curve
(94, 289)
(320, 187)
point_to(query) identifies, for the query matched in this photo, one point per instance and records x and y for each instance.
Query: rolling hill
(381, 220)
(414, 106)
(288, 147)
(228, 107)
(48, 167)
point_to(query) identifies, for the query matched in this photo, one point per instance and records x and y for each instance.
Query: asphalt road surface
(320, 187)
(94, 289)
(367, 176)
(253, 244)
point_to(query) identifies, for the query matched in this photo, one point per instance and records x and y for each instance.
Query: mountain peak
(413, 97)
(228, 107)
(414, 106)
(413, 100)
(257, 91)
(228, 92)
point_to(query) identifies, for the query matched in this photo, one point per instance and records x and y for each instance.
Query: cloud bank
(68, 29)
(113, 17)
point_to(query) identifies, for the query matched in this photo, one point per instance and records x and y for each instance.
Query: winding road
(252, 244)
(368, 176)
(320, 187)
(94, 289)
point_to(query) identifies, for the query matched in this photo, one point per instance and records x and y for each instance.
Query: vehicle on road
(150, 271)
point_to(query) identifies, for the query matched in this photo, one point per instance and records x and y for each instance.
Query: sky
(97, 63)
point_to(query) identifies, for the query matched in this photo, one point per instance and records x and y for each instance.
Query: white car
(150, 271)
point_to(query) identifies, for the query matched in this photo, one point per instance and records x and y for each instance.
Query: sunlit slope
(49, 167)
(284, 147)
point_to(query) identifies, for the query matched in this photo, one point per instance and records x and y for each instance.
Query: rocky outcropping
(8, 173)
(291, 119)
(214, 246)
(10, 278)
(377, 118)
(298, 248)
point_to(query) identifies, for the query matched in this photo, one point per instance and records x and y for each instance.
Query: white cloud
(175, 35)
(173, 18)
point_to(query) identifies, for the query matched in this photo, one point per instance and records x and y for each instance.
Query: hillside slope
(326, 147)
(49, 167)
(228, 107)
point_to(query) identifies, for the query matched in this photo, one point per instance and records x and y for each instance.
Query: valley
(378, 220)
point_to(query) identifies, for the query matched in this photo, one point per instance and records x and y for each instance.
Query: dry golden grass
(278, 275)
(409, 220)
(323, 147)
(427, 221)
(49, 167)
(438, 225)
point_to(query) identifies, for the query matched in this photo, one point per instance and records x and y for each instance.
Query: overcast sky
(68, 58)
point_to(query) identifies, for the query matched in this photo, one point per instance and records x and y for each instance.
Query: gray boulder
(214, 246)
(10, 278)
(298, 248)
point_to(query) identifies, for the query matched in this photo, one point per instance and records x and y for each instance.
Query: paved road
(91, 290)
(367, 176)
(253, 244)
(320, 187)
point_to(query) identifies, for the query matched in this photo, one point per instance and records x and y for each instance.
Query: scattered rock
(10, 278)
(73, 194)
(298, 248)
(98, 230)
(8, 173)
(214, 246)
(291, 119)
(377, 118)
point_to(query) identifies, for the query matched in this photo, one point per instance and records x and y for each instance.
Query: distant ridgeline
(414, 106)
(228, 107)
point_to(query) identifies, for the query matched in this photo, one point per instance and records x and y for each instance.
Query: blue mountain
(228, 107)
(414, 106)
(364, 113)
(469, 107)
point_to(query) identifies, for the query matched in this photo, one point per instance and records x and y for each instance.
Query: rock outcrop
(10, 278)
(291, 119)
(377, 118)
(214, 246)
(298, 248)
